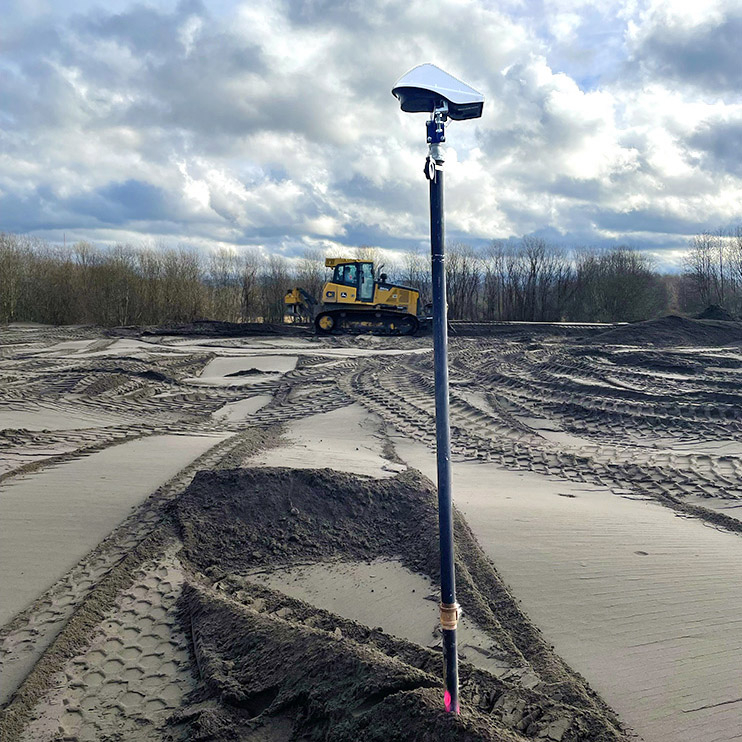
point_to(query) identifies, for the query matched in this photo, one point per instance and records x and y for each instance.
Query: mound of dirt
(523, 331)
(672, 330)
(149, 374)
(299, 679)
(715, 311)
(233, 520)
(656, 361)
(313, 685)
(212, 328)
(279, 676)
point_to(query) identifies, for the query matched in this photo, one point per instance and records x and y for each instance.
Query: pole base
(448, 705)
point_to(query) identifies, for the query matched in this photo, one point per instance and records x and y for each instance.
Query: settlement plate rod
(429, 89)
(449, 607)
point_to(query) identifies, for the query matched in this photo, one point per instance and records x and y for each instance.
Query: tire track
(24, 639)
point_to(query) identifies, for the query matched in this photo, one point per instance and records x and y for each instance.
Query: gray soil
(714, 311)
(264, 664)
(209, 328)
(679, 331)
(160, 632)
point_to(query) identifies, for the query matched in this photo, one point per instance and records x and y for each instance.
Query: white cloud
(271, 123)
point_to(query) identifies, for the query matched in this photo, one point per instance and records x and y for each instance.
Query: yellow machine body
(353, 300)
(293, 297)
(389, 296)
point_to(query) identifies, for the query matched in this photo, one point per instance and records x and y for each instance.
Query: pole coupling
(450, 614)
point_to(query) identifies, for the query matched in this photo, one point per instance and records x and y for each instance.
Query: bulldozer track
(401, 392)
(647, 423)
(26, 637)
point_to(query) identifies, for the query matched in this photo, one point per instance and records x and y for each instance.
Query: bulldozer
(355, 300)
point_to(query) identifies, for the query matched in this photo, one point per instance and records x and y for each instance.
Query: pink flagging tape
(447, 703)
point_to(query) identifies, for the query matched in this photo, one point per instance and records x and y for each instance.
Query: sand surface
(59, 417)
(239, 411)
(230, 365)
(386, 594)
(646, 605)
(50, 519)
(347, 440)
(244, 369)
(601, 475)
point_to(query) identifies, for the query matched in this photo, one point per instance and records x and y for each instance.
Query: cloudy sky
(270, 124)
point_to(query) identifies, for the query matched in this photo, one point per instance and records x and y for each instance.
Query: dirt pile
(304, 671)
(715, 311)
(235, 520)
(213, 328)
(653, 360)
(672, 330)
(524, 330)
(282, 673)
(251, 372)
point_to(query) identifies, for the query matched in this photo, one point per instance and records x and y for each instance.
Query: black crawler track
(359, 321)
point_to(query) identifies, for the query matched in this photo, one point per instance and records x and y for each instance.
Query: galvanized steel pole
(449, 608)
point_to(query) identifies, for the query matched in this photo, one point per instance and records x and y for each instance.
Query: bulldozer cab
(358, 275)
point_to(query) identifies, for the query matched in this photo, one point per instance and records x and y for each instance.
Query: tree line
(713, 269)
(126, 285)
(529, 280)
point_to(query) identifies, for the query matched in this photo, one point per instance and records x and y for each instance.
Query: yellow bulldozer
(354, 300)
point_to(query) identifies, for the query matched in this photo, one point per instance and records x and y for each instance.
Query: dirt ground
(213, 532)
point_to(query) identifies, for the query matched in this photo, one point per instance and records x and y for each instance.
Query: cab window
(350, 274)
(346, 274)
(366, 289)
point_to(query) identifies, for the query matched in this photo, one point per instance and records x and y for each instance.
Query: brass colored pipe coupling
(450, 613)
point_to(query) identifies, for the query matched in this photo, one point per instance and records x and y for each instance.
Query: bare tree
(311, 272)
(415, 273)
(181, 285)
(701, 267)
(249, 295)
(275, 280)
(494, 281)
(13, 266)
(112, 280)
(617, 285)
(463, 282)
(223, 277)
(734, 263)
(373, 254)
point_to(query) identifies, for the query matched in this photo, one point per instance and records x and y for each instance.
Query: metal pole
(449, 608)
